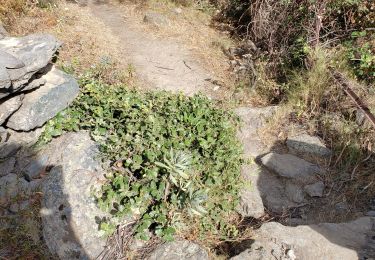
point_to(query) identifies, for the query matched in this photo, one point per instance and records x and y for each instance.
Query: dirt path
(160, 63)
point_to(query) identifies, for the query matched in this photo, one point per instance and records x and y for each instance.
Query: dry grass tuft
(318, 105)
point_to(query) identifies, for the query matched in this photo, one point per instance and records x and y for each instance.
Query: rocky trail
(287, 182)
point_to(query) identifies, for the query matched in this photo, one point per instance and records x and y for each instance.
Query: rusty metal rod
(340, 78)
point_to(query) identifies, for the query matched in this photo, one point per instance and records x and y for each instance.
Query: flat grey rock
(307, 144)
(34, 51)
(292, 167)
(315, 190)
(273, 192)
(253, 119)
(9, 106)
(69, 210)
(263, 189)
(156, 19)
(33, 84)
(343, 241)
(179, 250)
(44, 103)
(251, 203)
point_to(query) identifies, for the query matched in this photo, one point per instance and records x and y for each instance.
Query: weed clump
(175, 160)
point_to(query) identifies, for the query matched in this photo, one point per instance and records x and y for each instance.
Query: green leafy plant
(362, 54)
(175, 160)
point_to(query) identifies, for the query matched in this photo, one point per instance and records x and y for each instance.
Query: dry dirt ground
(185, 55)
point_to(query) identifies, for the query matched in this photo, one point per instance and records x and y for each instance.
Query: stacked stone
(32, 91)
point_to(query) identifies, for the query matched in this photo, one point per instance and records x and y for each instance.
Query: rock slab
(179, 250)
(307, 144)
(292, 167)
(68, 209)
(9, 106)
(344, 241)
(44, 103)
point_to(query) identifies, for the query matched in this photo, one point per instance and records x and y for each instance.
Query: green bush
(175, 160)
(362, 54)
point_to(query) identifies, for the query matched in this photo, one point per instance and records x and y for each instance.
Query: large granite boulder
(343, 241)
(44, 103)
(21, 58)
(69, 211)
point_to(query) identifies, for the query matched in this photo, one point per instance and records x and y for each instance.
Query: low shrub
(175, 160)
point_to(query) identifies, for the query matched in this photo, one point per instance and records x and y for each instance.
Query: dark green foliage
(175, 159)
(362, 54)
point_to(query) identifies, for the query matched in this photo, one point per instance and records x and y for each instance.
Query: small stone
(182, 249)
(8, 107)
(23, 205)
(293, 167)
(360, 117)
(177, 10)
(44, 103)
(7, 166)
(14, 208)
(342, 207)
(156, 19)
(10, 187)
(35, 168)
(315, 190)
(294, 192)
(307, 144)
